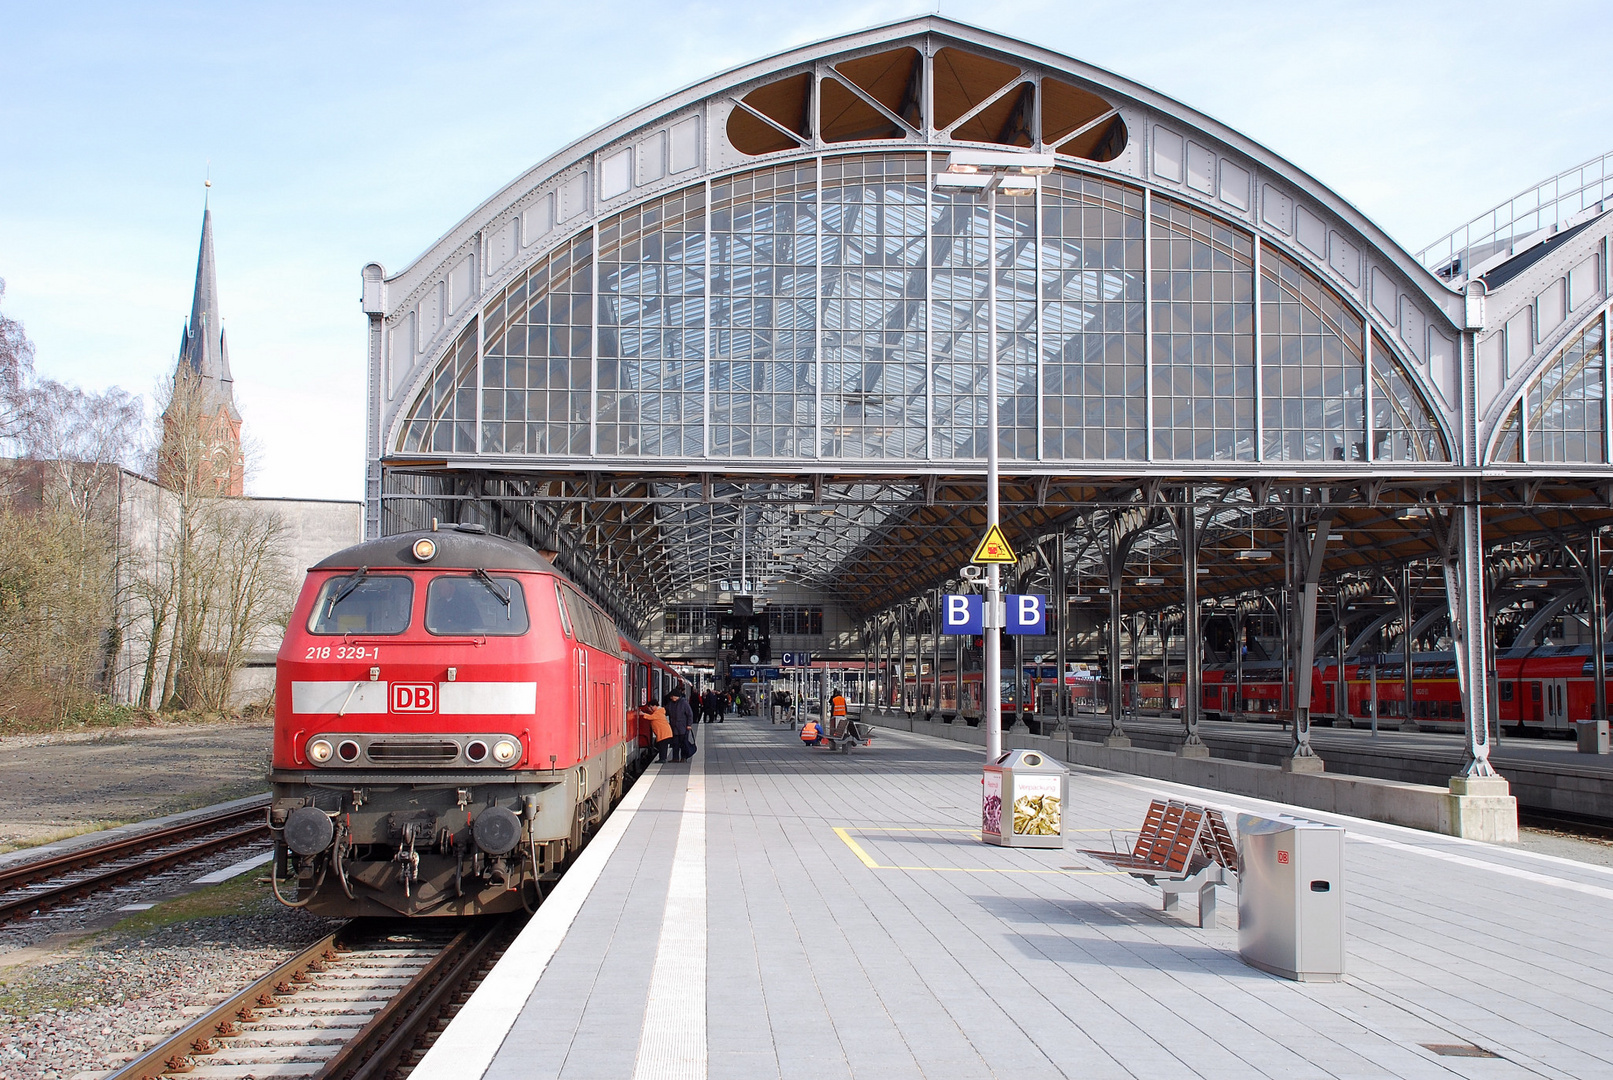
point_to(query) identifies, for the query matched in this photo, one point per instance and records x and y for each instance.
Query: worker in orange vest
(811, 733)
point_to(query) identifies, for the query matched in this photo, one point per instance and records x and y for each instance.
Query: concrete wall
(1417, 806)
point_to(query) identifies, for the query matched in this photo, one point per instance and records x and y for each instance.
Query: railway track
(46, 883)
(360, 1004)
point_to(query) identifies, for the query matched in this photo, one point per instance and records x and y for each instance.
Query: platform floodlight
(1017, 162)
(962, 181)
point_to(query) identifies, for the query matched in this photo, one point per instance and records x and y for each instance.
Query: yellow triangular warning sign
(994, 548)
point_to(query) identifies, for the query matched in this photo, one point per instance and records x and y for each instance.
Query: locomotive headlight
(505, 750)
(425, 549)
(319, 751)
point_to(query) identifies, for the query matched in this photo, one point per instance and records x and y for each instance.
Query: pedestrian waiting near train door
(660, 730)
(811, 733)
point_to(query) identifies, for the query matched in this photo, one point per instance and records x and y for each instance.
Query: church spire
(201, 428)
(202, 346)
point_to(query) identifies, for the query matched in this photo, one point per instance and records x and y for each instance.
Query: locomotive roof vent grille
(413, 751)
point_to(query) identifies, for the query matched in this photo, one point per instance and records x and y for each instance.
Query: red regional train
(453, 716)
(1545, 691)
(918, 690)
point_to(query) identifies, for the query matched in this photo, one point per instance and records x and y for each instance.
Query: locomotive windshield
(363, 604)
(476, 604)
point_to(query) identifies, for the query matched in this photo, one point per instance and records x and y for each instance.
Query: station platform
(774, 910)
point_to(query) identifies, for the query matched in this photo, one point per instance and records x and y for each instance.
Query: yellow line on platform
(856, 848)
(868, 861)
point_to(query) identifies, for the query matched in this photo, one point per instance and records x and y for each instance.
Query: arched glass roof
(835, 309)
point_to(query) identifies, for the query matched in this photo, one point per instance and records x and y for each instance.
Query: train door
(1555, 705)
(582, 704)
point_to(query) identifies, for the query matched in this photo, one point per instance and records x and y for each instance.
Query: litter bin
(1593, 737)
(1291, 897)
(1024, 798)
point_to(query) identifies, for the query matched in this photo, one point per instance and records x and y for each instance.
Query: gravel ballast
(94, 1008)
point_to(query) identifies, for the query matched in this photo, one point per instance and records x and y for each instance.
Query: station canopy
(746, 323)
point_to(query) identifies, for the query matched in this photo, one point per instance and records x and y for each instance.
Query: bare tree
(58, 514)
(16, 374)
(220, 584)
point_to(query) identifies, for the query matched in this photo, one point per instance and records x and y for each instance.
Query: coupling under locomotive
(452, 717)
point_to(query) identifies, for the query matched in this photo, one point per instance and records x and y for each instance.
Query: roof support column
(1061, 609)
(1598, 628)
(1301, 757)
(1482, 806)
(1408, 721)
(1117, 566)
(1187, 530)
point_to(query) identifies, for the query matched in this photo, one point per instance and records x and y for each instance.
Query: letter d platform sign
(963, 613)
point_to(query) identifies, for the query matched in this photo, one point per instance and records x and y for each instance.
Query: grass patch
(241, 895)
(8, 846)
(28, 996)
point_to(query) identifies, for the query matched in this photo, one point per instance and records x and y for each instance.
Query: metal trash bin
(1593, 737)
(1023, 801)
(1291, 897)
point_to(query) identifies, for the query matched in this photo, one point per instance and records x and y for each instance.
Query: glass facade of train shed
(741, 337)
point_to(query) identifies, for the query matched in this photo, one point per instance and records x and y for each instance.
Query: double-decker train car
(1546, 690)
(452, 717)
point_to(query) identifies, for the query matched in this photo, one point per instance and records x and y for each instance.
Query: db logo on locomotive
(414, 697)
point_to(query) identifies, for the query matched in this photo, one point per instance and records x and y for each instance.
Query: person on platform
(681, 719)
(812, 733)
(837, 711)
(660, 730)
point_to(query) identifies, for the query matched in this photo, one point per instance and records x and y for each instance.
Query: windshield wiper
(347, 587)
(493, 587)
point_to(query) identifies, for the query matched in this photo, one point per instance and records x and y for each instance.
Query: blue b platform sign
(964, 613)
(1027, 614)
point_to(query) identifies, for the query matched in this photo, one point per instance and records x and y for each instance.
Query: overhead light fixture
(1251, 554)
(1202, 570)
(962, 181)
(1081, 598)
(1532, 583)
(1005, 161)
(1411, 513)
(1150, 580)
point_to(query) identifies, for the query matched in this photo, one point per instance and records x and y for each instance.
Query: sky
(341, 134)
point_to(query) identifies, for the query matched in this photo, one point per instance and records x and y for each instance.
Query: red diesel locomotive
(452, 717)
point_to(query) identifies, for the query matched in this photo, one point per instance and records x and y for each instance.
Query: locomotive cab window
(477, 604)
(363, 603)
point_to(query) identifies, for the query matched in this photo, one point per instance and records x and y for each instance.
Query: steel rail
(383, 1043)
(173, 1054)
(212, 840)
(38, 869)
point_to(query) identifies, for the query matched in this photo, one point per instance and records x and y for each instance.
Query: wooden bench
(1181, 848)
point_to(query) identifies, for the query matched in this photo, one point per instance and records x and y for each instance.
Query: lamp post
(985, 172)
